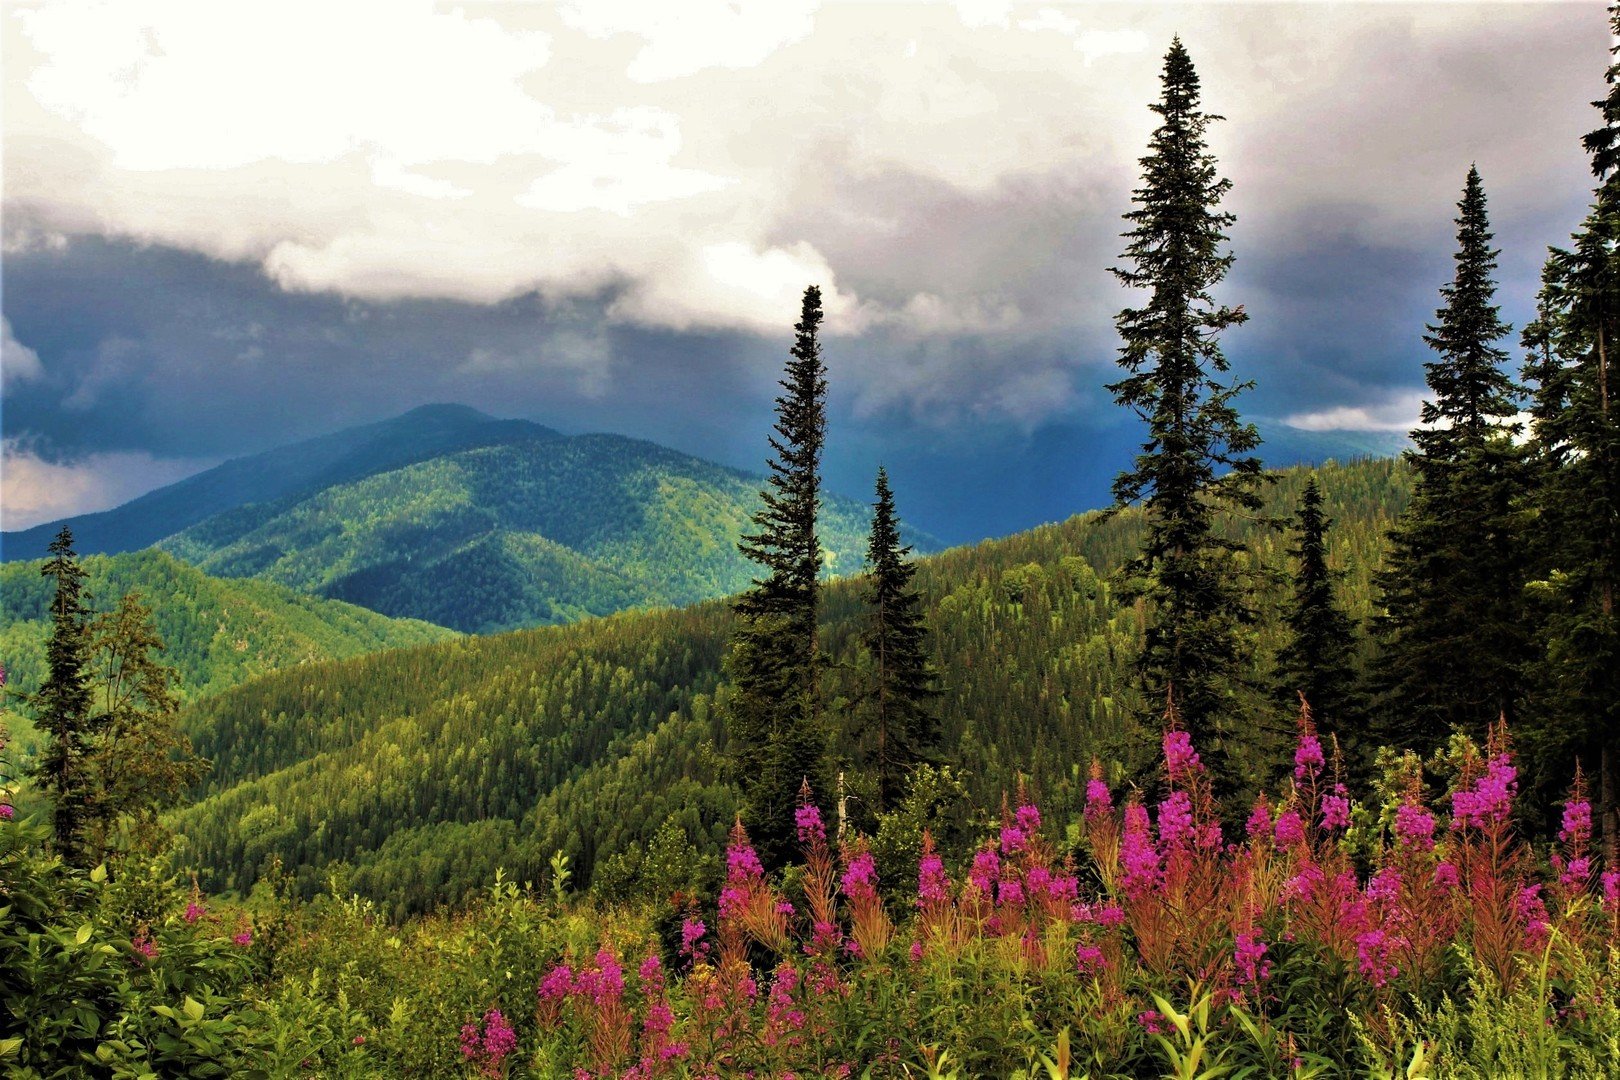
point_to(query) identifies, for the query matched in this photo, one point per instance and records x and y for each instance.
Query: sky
(231, 226)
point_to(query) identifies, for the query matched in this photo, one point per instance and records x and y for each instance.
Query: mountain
(217, 633)
(286, 472)
(414, 775)
(451, 516)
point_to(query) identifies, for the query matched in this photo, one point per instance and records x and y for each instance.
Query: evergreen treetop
(63, 702)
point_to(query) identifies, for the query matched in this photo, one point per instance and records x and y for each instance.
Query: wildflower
(1099, 803)
(359, 1040)
(1576, 830)
(1012, 839)
(1491, 797)
(1028, 818)
(1063, 888)
(1259, 823)
(1089, 959)
(1289, 830)
(1336, 809)
(557, 984)
(916, 952)
(1385, 885)
(1530, 908)
(860, 877)
(986, 869)
(499, 1040)
(1611, 888)
(1140, 867)
(1414, 827)
(1175, 820)
(1249, 954)
(1446, 876)
(144, 945)
(692, 931)
(933, 887)
(808, 820)
(1373, 948)
(1152, 1021)
(7, 811)
(652, 972)
(244, 938)
(194, 911)
(1308, 759)
(1180, 759)
(1010, 891)
(660, 1019)
(1576, 872)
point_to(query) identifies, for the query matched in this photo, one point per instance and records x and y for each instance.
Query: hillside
(421, 772)
(218, 633)
(533, 531)
(281, 473)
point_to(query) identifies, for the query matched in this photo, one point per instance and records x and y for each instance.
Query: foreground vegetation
(1321, 937)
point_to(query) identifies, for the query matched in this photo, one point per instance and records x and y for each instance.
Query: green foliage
(1198, 460)
(774, 716)
(1453, 630)
(63, 702)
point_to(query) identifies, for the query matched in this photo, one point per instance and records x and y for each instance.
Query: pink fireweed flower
(1152, 1021)
(1249, 956)
(1414, 827)
(808, 820)
(194, 911)
(1012, 839)
(1099, 802)
(144, 945)
(1336, 809)
(557, 984)
(1010, 891)
(651, 972)
(1259, 823)
(1089, 959)
(244, 938)
(1141, 869)
(692, 931)
(1175, 821)
(1180, 759)
(1446, 876)
(933, 887)
(7, 811)
(1491, 797)
(1289, 830)
(986, 869)
(741, 862)
(605, 983)
(660, 1019)
(1064, 888)
(1576, 830)
(1373, 948)
(1308, 758)
(1039, 880)
(1532, 910)
(860, 877)
(916, 952)
(1610, 883)
(1385, 885)
(1576, 873)
(499, 1038)
(1028, 818)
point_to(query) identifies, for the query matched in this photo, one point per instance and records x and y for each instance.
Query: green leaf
(84, 933)
(193, 1008)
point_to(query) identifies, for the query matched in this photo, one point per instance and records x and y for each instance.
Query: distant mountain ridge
(451, 516)
(301, 467)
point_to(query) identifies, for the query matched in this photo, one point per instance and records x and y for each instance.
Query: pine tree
(1574, 710)
(139, 764)
(894, 711)
(1316, 661)
(1452, 629)
(1198, 460)
(62, 704)
(774, 723)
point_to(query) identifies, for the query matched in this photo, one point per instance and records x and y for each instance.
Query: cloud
(1396, 412)
(18, 363)
(36, 489)
(681, 39)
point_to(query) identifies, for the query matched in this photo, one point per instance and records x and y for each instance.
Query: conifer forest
(1310, 771)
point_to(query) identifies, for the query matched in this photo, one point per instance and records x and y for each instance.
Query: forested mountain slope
(417, 773)
(217, 632)
(531, 531)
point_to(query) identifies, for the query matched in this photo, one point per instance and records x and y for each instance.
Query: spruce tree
(1198, 460)
(1452, 629)
(898, 726)
(774, 724)
(62, 704)
(1316, 661)
(1574, 707)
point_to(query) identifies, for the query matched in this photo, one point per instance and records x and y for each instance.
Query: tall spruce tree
(1452, 630)
(62, 703)
(1316, 661)
(1574, 707)
(774, 726)
(1198, 460)
(898, 726)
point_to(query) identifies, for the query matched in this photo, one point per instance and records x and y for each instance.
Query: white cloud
(732, 283)
(18, 363)
(34, 489)
(1395, 413)
(684, 38)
